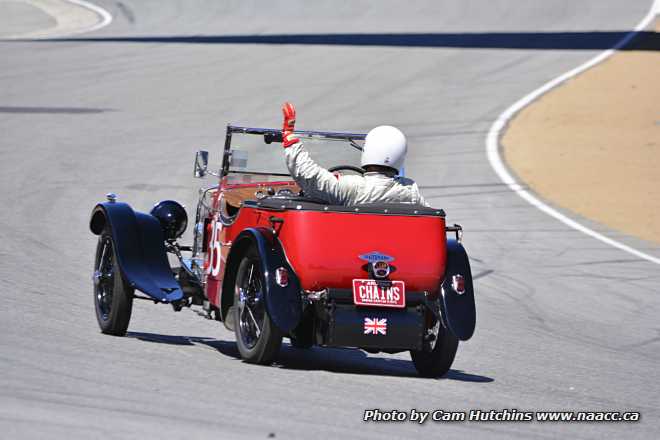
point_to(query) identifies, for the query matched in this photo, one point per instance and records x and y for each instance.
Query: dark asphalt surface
(564, 321)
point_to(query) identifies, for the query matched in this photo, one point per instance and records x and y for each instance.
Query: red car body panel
(324, 248)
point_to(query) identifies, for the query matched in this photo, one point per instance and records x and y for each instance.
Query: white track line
(493, 147)
(105, 16)
(68, 18)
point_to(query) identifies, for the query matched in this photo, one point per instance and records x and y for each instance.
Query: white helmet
(386, 146)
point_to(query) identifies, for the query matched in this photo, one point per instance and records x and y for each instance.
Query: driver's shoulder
(351, 179)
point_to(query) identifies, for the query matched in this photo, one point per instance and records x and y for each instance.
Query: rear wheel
(113, 296)
(438, 356)
(257, 338)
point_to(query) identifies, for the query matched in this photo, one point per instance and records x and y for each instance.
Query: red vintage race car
(271, 262)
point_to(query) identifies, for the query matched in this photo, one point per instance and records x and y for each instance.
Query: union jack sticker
(375, 326)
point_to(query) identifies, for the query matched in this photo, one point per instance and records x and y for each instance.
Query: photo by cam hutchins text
(502, 415)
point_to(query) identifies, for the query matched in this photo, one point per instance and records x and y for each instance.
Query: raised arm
(314, 180)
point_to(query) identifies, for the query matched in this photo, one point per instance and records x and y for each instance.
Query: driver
(382, 157)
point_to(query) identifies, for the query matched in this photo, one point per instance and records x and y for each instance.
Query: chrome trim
(458, 230)
(202, 195)
(315, 295)
(332, 135)
(198, 232)
(201, 164)
(96, 277)
(375, 256)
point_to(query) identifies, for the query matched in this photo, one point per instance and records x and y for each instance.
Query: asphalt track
(564, 321)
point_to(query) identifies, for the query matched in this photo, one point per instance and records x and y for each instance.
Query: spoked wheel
(257, 338)
(438, 355)
(113, 297)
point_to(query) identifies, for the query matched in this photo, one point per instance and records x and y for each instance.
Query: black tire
(257, 338)
(436, 360)
(113, 296)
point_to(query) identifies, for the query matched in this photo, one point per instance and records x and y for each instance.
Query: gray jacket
(348, 190)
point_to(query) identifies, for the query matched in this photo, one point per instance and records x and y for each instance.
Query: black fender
(459, 313)
(283, 304)
(140, 249)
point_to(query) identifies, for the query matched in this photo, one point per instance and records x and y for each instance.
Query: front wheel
(257, 338)
(436, 360)
(113, 296)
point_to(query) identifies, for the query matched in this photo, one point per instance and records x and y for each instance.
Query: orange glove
(289, 112)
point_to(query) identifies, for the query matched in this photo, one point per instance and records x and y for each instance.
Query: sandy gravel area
(593, 144)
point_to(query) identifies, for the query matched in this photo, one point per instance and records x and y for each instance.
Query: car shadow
(335, 360)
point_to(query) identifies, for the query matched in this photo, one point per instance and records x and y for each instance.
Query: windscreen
(251, 153)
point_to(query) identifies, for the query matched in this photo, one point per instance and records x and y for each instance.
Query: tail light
(458, 284)
(282, 276)
(381, 269)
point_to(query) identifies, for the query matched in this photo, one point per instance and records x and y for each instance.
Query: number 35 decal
(214, 249)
